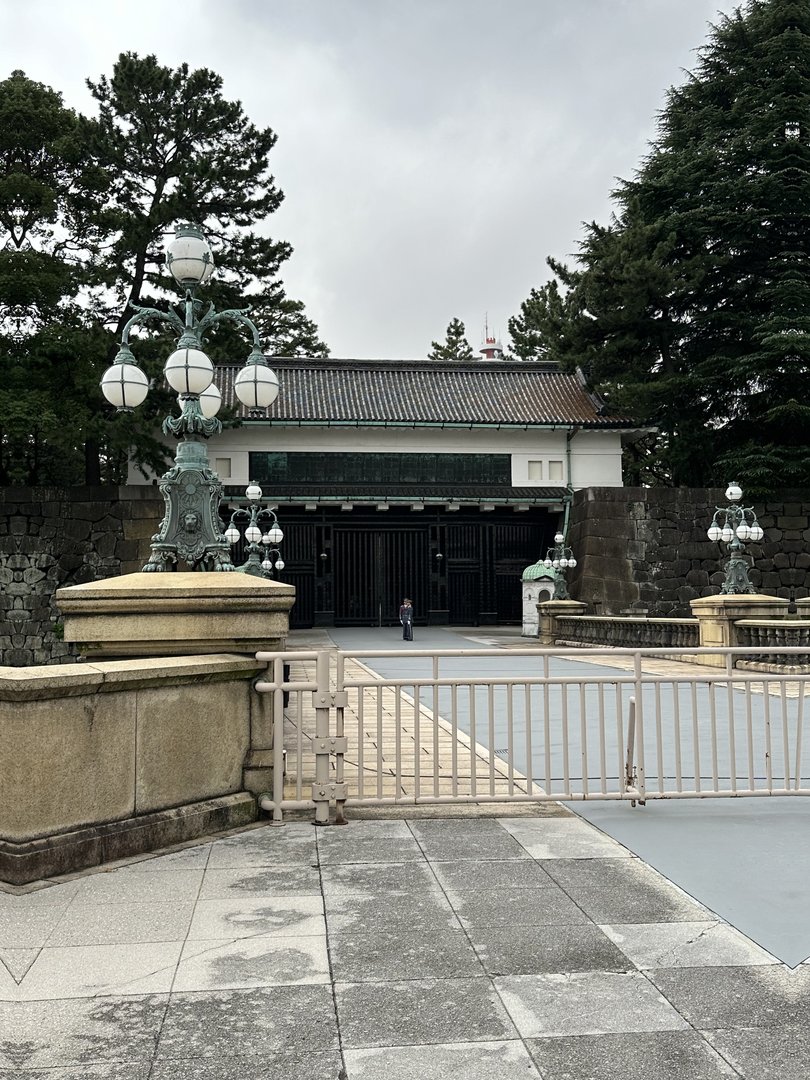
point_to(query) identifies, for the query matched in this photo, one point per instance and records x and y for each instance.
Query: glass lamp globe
(125, 386)
(555, 563)
(727, 534)
(756, 532)
(572, 563)
(266, 564)
(558, 539)
(714, 532)
(253, 534)
(743, 531)
(280, 564)
(256, 386)
(210, 401)
(253, 492)
(189, 258)
(274, 535)
(232, 534)
(563, 563)
(547, 563)
(189, 371)
(733, 492)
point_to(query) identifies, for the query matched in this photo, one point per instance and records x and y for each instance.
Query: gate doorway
(375, 569)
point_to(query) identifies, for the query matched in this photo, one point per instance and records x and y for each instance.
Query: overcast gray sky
(432, 152)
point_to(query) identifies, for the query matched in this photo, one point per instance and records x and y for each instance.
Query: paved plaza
(465, 947)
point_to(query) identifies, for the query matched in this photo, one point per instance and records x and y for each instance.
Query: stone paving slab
(658, 1055)
(477, 953)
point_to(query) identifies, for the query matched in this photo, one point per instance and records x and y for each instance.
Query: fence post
(641, 775)
(278, 741)
(324, 744)
(321, 699)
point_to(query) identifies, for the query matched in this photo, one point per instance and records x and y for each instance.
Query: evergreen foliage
(86, 204)
(455, 346)
(691, 309)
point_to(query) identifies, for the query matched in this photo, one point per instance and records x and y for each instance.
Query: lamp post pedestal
(549, 611)
(180, 614)
(717, 616)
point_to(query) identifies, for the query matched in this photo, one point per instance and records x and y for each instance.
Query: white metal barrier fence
(476, 725)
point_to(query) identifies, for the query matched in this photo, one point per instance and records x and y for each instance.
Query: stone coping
(176, 591)
(38, 683)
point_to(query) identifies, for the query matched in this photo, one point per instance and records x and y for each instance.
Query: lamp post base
(190, 530)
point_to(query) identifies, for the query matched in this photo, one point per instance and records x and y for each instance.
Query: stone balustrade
(627, 632)
(773, 634)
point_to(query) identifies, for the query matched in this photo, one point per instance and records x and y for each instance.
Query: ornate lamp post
(263, 554)
(734, 524)
(560, 557)
(190, 529)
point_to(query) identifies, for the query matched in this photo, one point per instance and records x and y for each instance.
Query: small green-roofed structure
(538, 585)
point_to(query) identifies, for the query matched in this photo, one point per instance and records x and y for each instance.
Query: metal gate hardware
(336, 699)
(332, 745)
(325, 792)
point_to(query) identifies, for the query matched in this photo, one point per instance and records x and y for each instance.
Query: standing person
(406, 618)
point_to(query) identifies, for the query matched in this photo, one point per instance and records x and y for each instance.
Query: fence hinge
(326, 792)
(332, 745)
(334, 699)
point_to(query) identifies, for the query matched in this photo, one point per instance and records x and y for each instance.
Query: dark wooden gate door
(375, 569)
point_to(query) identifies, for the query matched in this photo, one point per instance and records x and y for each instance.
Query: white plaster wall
(595, 456)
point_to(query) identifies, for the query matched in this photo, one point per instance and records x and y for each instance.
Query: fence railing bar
(695, 737)
(491, 732)
(583, 739)
(676, 734)
(785, 736)
(527, 709)
(566, 743)
(768, 745)
(659, 738)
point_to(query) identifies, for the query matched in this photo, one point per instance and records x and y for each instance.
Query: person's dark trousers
(407, 631)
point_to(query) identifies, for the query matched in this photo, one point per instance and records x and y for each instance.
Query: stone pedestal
(176, 614)
(548, 613)
(717, 615)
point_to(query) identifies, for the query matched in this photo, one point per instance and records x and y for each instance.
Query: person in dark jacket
(406, 618)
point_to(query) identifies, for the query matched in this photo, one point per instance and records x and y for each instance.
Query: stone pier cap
(165, 614)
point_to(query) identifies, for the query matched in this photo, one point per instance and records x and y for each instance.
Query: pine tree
(455, 347)
(692, 307)
(85, 209)
(48, 341)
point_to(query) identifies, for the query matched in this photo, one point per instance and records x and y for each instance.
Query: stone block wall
(646, 549)
(51, 537)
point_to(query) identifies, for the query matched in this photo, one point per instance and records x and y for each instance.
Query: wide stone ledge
(75, 680)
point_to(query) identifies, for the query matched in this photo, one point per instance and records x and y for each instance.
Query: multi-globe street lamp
(734, 525)
(191, 529)
(560, 557)
(263, 556)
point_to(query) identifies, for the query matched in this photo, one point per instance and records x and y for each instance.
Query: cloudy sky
(432, 152)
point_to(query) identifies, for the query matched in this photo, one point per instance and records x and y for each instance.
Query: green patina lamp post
(560, 557)
(734, 524)
(263, 556)
(190, 530)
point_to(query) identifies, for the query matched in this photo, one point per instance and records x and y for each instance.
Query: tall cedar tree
(165, 147)
(455, 347)
(692, 308)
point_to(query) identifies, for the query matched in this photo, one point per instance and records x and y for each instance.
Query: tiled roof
(423, 392)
